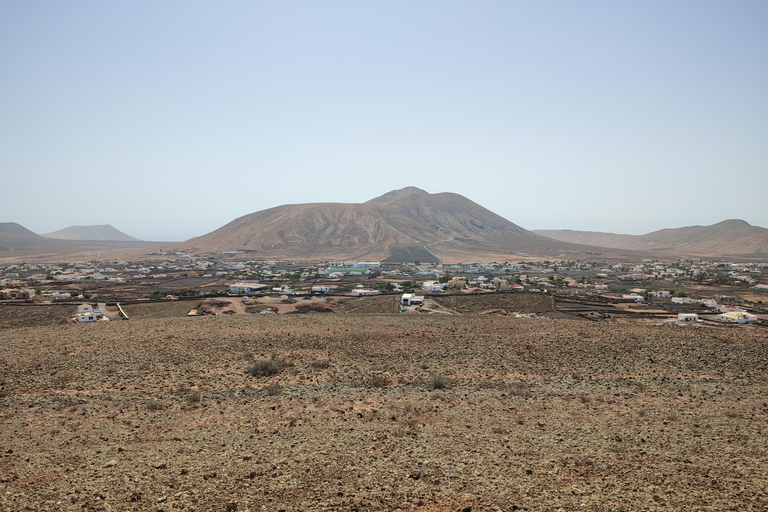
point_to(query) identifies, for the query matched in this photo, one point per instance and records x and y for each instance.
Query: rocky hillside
(14, 229)
(438, 226)
(14, 236)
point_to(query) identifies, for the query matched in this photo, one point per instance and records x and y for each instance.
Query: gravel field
(382, 412)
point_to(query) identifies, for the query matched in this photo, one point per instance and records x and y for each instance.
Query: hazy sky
(168, 119)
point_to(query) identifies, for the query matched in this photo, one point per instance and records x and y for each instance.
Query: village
(673, 292)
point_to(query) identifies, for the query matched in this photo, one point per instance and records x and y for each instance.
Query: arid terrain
(727, 238)
(382, 412)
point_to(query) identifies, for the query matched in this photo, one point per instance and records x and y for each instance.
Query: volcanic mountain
(732, 237)
(14, 235)
(9, 230)
(402, 225)
(102, 233)
(18, 243)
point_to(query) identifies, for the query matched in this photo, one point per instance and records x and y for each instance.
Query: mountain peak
(14, 228)
(397, 194)
(734, 223)
(404, 225)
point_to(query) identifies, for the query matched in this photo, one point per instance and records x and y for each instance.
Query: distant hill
(103, 232)
(16, 240)
(14, 236)
(16, 230)
(732, 237)
(403, 225)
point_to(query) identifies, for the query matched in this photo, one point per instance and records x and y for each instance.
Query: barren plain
(382, 412)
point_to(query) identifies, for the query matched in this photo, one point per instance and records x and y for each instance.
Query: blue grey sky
(168, 119)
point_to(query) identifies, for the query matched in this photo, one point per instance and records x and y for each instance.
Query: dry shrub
(264, 368)
(62, 380)
(194, 397)
(273, 389)
(519, 389)
(438, 381)
(68, 401)
(320, 364)
(155, 405)
(378, 381)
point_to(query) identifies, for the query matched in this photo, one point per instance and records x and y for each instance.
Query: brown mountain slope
(449, 226)
(728, 238)
(14, 237)
(14, 229)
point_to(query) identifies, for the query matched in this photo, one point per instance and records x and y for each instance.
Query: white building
(410, 299)
(687, 317)
(359, 292)
(86, 313)
(736, 317)
(245, 288)
(432, 286)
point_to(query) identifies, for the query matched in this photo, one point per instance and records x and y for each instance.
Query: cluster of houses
(16, 293)
(728, 317)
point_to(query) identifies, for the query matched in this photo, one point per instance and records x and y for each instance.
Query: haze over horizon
(169, 120)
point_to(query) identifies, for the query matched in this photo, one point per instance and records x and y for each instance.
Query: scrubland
(382, 412)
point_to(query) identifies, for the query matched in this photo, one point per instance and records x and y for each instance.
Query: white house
(736, 317)
(432, 286)
(86, 313)
(320, 289)
(687, 317)
(664, 294)
(410, 299)
(360, 291)
(636, 298)
(245, 288)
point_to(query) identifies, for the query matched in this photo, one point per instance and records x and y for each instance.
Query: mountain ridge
(731, 237)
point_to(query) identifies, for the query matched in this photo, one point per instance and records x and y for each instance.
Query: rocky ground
(382, 412)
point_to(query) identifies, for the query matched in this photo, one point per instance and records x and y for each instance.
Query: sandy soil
(537, 414)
